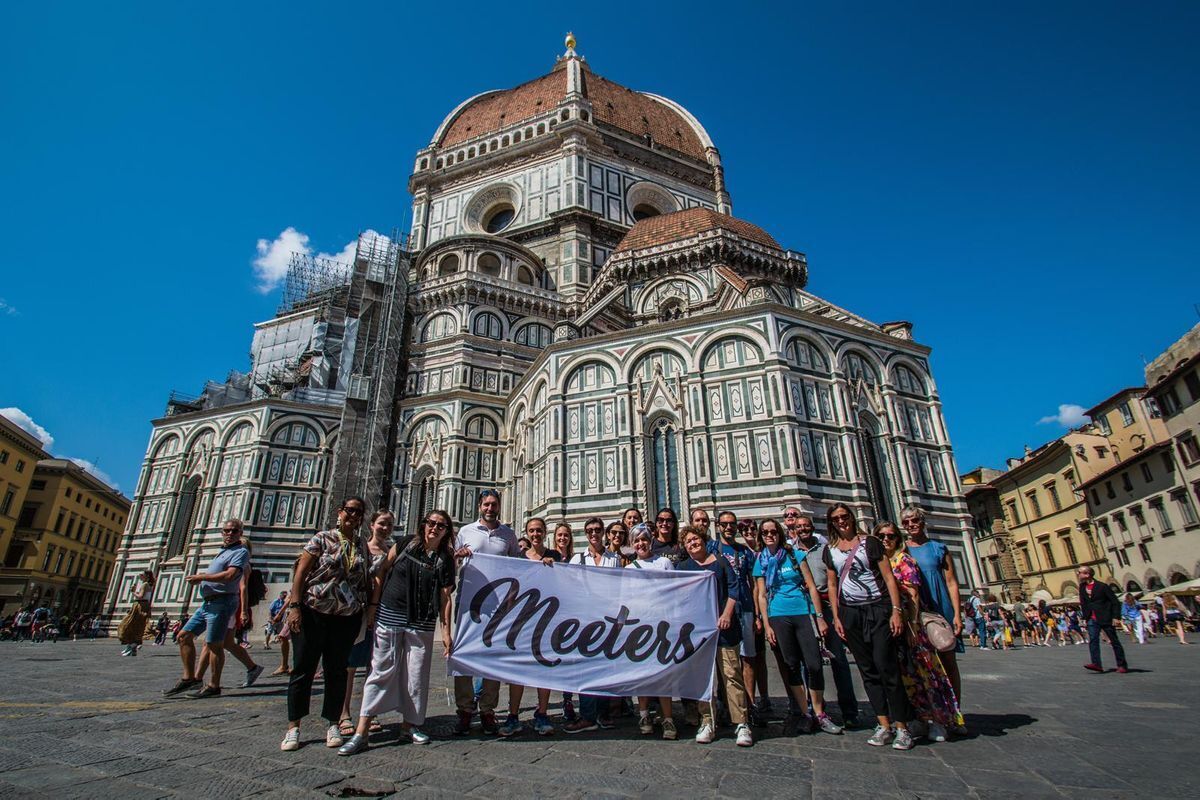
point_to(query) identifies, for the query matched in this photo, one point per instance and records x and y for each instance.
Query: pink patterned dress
(921, 669)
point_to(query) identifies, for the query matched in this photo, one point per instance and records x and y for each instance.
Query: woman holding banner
(729, 636)
(411, 594)
(590, 717)
(646, 559)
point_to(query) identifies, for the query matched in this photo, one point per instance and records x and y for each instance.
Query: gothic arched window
(487, 324)
(534, 334)
(857, 367)
(665, 464)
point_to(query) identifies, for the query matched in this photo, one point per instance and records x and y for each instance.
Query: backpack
(256, 589)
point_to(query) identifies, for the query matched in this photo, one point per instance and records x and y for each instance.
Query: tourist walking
(922, 667)
(1131, 615)
(867, 616)
(132, 629)
(219, 588)
(788, 600)
(411, 596)
(331, 585)
(1100, 607)
(487, 536)
(378, 543)
(729, 634)
(161, 628)
(1176, 614)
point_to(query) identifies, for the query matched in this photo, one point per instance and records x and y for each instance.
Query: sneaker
(355, 744)
(1093, 667)
(511, 727)
(937, 733)
(488, 724)
(828, 726)
(569, 711)
(669, 731)
(744, 737)
(291, 740)
(581, 725)
(463, 726)
(881, 737)
(904, 740)
(205, 693)
(645, 726)
(417, 736)
(1122, 670)
(705, 735)
(333, 737)
(182, 686)
(605, 723)
(541, 724)
(251, 676)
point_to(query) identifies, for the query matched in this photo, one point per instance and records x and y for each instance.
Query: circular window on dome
(644, 211)
(498, 218)
(645, 200)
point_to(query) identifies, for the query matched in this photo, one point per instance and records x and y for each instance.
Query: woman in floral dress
(925, 680)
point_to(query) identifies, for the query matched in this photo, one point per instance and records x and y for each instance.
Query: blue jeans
(981, 629)
(1094, 629)
(212, 618)
(589, 706)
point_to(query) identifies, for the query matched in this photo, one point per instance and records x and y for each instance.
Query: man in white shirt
(488, 536)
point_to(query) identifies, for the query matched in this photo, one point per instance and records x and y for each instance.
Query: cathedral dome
(667, 228)
(641, 115)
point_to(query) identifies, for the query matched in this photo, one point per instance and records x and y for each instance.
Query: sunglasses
(593, 530)
(356, 510)
(791, 513)
(889, 536)
(840, 518)
(727, 524)
(440, 526)
(768, 532)
(664, 520)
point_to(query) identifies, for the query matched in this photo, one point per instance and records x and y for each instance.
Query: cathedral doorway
(874, 458)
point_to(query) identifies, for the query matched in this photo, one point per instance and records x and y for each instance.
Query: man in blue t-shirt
(741, 559)
(219, 588)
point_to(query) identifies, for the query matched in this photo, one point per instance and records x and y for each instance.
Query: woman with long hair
(616, 537)
(666, 536)
(865, 601)
(410, 597)
(786, 597)
(922, 669)
(139, 614)
(631, 517)
(564, 541)
(378, 545)
(643, 545)
(1175, 614)
(330, 588)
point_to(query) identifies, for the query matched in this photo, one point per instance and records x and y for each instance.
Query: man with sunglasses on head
(219, 588)
(805, 539)
(489, 536)
(741, 559)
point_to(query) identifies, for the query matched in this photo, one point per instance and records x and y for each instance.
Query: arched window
(534, 334)
(665, 464)
(489, 264)
(448, 265)
(856, 367)
(593, 375)
(481, 428)
(644, 211)
(439, 326)
(805, 355)
(671, 365)
(296, 434)
(907, 381)
(525, 276)
(241, 435)
(487, 324)
(499, 218)
(185, 518)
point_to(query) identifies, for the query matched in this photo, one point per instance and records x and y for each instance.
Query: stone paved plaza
(76, 720)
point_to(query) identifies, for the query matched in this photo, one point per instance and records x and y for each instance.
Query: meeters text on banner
(573, 628)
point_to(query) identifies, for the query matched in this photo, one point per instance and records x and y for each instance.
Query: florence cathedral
(577, 319)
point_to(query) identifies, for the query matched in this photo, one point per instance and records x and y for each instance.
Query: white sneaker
(333, 737)
(744, 737)
(291, 740)
(705, 735)
(937, 733)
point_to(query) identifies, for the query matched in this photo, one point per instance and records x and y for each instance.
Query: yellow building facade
(19, 455)
(65, 540)
(1045, 516)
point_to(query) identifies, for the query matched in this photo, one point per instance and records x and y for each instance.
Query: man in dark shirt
(1098, 605)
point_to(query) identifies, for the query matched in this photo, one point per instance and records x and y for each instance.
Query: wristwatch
(293, 605)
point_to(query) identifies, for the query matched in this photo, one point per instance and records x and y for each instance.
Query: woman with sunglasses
(921, 667)
(865, 601)
(410, 598)
(331, 586)
(617, 538)
(590, 716)
(666, 536)
(645, 559)
(787, 597)
(939, 585)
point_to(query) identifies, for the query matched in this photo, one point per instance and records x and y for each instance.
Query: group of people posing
(366, 598)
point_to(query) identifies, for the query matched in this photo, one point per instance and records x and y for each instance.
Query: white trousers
(399, 679)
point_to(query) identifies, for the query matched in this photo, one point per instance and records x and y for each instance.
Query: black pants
(323, 638)
(876, 653)
(839, 665)
(800, 650)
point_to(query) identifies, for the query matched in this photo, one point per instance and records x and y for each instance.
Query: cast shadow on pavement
(996, 724)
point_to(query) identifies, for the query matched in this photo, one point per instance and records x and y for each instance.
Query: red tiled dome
(684, 224)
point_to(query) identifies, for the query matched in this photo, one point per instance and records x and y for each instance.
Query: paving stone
(302, 776)
(124, 788)
(129, 765)
(451, 779)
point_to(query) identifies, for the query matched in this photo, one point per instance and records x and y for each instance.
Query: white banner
(619, 632)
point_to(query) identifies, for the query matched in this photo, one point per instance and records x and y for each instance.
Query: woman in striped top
(411, 594)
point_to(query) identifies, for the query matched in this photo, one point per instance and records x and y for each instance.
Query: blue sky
(1019, 180)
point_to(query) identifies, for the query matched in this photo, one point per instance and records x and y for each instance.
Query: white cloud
(96, 472)
(274, 256)
(1069, 416)
(26, 423)
(5, 308)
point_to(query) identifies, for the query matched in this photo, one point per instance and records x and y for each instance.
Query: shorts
(747, 647)
(1021, 626)
(213, 617)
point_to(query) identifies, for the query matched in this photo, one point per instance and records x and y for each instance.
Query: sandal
(346, 727)
(375, 727)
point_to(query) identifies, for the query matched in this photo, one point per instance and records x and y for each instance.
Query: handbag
(939, 632)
